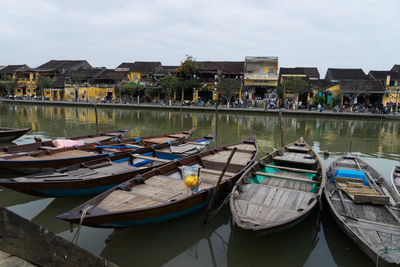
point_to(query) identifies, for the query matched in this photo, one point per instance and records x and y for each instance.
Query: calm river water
(186, 241)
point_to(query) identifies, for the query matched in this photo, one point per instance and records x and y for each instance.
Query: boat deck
(374, 227)
(267, 205)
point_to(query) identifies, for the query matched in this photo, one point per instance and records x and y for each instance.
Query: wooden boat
(9, 134)
(289, 248)
(160, 194)
(94, 177)
(395, 179)
(362, 203)
(86, 139)
(57, 158)
(278, 191)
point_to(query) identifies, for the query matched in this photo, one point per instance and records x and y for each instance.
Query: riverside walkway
(221, 109)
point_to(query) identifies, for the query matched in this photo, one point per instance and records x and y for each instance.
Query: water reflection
(47, 217)
(344, 251)
(186, 241)
(172, 243)
(287, 248)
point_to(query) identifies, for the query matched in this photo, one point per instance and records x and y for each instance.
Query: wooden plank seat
(290, 169)
(300, 149)
(289, 176)
(248, 147)
(159, 140)
(151, 158)
(239, 158)
(293, 157)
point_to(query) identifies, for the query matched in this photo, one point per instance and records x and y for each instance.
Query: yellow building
(392, 84)
(140, 71)
(260, 77)
(92, 85)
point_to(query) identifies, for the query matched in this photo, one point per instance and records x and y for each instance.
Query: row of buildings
(259, 78)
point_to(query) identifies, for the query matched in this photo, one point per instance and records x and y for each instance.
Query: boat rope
(382, 251)
(220, 207)
(78, 230)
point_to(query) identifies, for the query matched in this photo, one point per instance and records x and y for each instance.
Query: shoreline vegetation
(240, 110)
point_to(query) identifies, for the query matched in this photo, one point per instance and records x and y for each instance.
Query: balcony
(257, 76)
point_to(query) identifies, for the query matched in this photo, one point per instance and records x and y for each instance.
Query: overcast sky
(320, 33)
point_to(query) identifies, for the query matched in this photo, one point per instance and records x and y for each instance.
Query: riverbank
(250, 110)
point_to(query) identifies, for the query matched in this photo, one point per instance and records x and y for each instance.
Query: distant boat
(94, 177)
(85, 139)
(9, 134)
(363, 205)
(161, 194)
(278, 191)
(56, 158)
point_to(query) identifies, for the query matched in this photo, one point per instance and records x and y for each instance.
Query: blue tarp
(352, 174)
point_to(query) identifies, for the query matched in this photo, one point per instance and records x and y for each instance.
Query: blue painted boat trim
(76, 192)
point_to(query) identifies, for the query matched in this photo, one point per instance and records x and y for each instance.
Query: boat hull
(7, 136)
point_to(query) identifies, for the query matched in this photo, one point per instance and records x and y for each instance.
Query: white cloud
(359, 33)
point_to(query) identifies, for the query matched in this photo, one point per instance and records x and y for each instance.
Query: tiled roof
(345, 74)
(309, 72)
(228, 67)
(141, 66)
(362, 86)
(321, 84)
(378, 74)
(64, 65)
(396, 68)
(10, 69)
(111, 75)
(84, 74)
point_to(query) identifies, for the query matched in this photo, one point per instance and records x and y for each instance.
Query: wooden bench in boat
(300, 149)
(293, 157)
(248, 147)
(288, 176)
(151, 158)
(290, 169)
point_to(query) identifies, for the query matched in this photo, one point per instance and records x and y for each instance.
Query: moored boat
(161, 194)
(83, 140)
(279, 190)
(96, 176)
(9, 134)
(57, 158)
(363, 204)
(395, 179)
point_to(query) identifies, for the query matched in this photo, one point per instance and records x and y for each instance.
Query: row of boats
(142, 180)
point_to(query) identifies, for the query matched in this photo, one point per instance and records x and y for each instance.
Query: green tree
(186, 74)
(130, 88)
(43, 82)
(187, 69)
(150, 91)
(295, 84)
(227, 88)
(168, 83)
(7, 85)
